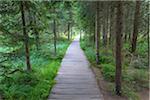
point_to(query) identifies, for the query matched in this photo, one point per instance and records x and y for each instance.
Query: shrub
(129, 92)
(89, 51)
(141, 77)
(137, 63)
(108, 71)
(106, 59)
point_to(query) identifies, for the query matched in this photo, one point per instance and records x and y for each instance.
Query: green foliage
(89, 52)
(106, 59)
(135, 75)
(129, 92)
(139, 59)
(35, 85)
(139, 78)
(108, 72)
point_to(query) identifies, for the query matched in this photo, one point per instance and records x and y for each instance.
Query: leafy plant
(108, 71)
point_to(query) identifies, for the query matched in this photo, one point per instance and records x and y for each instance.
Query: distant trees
(68, 15)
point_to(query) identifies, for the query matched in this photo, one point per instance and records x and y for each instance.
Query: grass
(135, 75)
(35, 85)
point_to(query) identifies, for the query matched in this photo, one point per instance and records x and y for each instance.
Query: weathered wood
(75, 80)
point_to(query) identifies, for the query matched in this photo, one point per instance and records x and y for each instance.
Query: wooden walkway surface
(75, 80)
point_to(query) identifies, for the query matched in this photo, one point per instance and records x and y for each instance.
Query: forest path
(75, 79)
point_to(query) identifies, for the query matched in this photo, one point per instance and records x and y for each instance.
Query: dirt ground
(107, 95)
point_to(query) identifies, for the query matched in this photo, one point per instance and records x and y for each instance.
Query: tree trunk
(80, 35)
(119, 27)
(104, 24)
(71, 32)
(36, 34)
(135, 27)
(104, 33)
(97, 32)
(111, 24)
(107, 23)
(55, 37)
(26, 37)
(148, 36)
(68, 31)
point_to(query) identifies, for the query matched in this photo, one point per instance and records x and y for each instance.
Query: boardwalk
(75, 80)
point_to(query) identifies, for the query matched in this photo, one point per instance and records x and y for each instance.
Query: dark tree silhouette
(26, 37)
(119, 27)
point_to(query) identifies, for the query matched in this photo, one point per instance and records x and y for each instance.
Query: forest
(37, 36)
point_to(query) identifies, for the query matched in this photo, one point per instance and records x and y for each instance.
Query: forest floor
(75, 80)
(107, 94)
(37, 84)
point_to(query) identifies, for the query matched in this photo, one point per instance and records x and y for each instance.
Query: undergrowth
(35, 85)
(135, 74)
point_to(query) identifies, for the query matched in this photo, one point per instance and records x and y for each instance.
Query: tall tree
(26, 37)
(97, 31)
(136, 25)
(119, 28)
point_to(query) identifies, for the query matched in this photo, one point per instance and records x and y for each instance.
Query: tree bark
(97, 32)
(136, 25)
(119, 28)
(26, 37)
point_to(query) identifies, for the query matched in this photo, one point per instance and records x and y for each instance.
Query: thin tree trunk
(111, 24)
(68, 31)
(107, 23)
(104, 33)
(119, 27)
(26, 37)
(104, 25)
(97, 32)
(148, 36)
(71, 32)
(80, 35)
(55, 37)
(136, 25)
